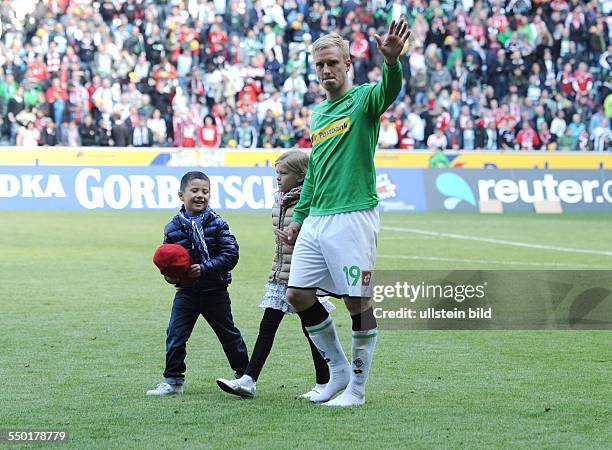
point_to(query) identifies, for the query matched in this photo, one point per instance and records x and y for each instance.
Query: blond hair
(296, 161)
(332, 40)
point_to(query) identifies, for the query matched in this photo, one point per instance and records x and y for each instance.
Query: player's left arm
(391, 46)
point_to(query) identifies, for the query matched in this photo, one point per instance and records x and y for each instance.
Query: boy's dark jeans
(215, 308)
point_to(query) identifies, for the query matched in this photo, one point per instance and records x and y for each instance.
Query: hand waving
(393, 43)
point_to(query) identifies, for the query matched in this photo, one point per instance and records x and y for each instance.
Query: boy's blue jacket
(222, 249)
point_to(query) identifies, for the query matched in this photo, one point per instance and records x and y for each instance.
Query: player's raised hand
(392, 44)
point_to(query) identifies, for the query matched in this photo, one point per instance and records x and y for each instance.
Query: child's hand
(171, 280)
(194, 271)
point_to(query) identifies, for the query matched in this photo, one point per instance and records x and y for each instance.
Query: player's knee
(293, 296)
(357, 305)
(298, 298)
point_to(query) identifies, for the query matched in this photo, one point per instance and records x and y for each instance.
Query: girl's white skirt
(276, 298)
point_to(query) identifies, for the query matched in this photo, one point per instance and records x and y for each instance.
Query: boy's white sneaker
(316, 390)
(166, 389)
(242, 387)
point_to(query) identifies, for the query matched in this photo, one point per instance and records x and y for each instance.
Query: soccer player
(335, 224)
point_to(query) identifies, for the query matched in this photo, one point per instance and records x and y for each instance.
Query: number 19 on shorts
(353, 274)
(359, 279)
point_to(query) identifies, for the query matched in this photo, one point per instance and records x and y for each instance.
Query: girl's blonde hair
(296, 161)
(331, 40)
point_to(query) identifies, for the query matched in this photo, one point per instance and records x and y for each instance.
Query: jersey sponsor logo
(329, 131)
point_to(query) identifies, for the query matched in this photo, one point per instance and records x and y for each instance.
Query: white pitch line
(404, 238)
(498, 241)
(488, 261)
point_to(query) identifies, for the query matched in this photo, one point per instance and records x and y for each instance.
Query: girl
(291, 169)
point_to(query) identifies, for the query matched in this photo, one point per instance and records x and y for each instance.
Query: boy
(214, 252)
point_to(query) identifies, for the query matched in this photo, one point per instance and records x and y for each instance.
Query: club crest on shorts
(366, 277)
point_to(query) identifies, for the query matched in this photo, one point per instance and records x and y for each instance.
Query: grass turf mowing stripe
(491, 261)
(498, 241)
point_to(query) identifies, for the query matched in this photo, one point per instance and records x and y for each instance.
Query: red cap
(173, 261)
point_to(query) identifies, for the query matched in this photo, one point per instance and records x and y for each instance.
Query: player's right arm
(301, 210)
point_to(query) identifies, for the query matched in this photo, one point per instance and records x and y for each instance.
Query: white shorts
(336, 254)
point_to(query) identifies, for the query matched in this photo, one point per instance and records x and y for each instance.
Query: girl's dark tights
(267, 330)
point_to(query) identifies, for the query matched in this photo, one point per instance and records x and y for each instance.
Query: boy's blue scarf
(197, 231)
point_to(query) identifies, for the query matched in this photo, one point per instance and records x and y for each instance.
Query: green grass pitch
(84, 312)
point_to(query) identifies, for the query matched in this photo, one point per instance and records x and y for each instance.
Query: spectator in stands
(246, 134)
(437, 141)
(120, 132)
(602, 135)
(582, 80)
(209, 133)
(546, 137)
(105, 132)
(454, 137)
(567, 141)
(229, 138)
(507, 135)
(185, 129)
(596, 119)
(441, 76)
(558, 125)
(406, 136)
(267, 139)
(158, 126)
(27, 136)
(576, 126)
(88, 132)
(49, 135)
(527, 138)
(491, 137)
(387, 137)
(141, 135)
(69, 134)
(418, 85)
(196, 56)
(583, 143)
(468, 136)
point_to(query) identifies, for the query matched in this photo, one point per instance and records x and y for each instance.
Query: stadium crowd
(479, 74)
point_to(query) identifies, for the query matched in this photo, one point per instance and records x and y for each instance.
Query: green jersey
(344, 133)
